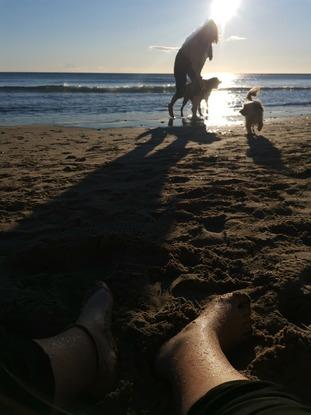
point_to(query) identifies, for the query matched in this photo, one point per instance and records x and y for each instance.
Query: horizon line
(155, 73)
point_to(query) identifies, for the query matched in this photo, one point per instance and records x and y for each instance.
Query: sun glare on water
(223, 10)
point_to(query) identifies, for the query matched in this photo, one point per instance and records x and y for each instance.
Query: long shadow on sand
(264, 153)
(114, 222)
(113, 225)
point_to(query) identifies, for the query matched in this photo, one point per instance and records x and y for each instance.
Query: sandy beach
(168, 217)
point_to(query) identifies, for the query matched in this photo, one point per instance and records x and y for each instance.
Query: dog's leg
(260, 125)
(206, 100)
(248, 126)
(200, 109)
(195, 105)
(206, 103)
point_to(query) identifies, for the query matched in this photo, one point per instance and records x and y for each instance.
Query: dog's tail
(253, 93)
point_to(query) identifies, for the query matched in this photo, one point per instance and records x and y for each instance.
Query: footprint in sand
(195, 287)
(301, 174)
(179, 179)
(214, 223)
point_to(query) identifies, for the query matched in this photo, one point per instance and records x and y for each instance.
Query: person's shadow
(111, 223)
(264, 153)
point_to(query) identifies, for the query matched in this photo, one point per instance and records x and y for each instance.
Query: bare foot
(225, 322)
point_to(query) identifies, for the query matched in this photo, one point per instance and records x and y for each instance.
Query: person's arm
(197, 52)
(197, 66)
(210, 52)
(200, 59)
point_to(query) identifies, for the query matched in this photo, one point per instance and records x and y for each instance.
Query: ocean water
(110, 100)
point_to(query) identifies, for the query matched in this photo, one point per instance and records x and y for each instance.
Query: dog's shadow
(264, 153)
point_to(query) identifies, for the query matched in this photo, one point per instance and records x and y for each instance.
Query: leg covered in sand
(194, 362)
(83, 358)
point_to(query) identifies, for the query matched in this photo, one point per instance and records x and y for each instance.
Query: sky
(265, 36)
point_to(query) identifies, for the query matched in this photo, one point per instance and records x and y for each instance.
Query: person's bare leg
(171, 105)
(194, 361)
(75, 353)
(186, 99)
(260, 124)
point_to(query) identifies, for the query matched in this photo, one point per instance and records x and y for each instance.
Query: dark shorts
(182, 71)
(248, 398)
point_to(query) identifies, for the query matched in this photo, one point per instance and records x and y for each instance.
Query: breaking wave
(124, 89)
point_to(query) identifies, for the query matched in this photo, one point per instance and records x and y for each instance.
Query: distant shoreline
(176, 123)
(149, 73)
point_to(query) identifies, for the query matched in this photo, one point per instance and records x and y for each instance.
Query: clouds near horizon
(166, 49)
(235, 38)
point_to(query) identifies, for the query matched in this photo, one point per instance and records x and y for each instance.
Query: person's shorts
(248, 398)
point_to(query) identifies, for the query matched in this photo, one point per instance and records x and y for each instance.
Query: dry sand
(169, 217)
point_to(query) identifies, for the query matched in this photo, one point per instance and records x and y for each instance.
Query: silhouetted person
(191, 58)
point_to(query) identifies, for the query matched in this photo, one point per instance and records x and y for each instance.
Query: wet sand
(168, 217)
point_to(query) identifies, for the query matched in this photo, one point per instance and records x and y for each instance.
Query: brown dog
(207, 85)
(253, 112)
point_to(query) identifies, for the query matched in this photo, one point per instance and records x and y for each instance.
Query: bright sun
(223, 10)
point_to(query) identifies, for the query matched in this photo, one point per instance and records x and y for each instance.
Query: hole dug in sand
(295, 304)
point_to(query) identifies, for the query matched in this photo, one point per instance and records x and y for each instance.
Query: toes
(236, 298)
(241, 300)
(103, 286)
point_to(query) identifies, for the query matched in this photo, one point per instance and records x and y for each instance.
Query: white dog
(253, 112)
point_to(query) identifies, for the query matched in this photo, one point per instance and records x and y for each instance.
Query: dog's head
(209, 84)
